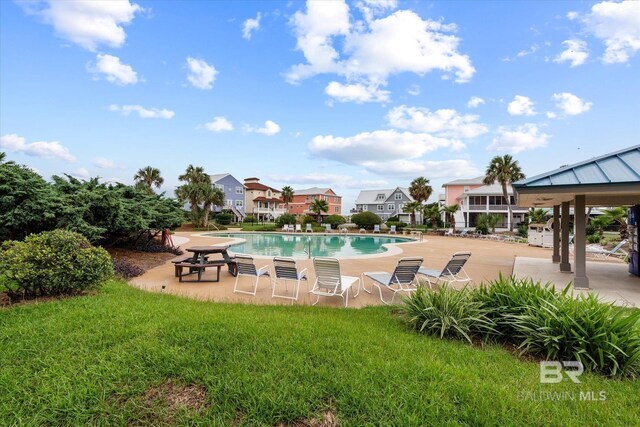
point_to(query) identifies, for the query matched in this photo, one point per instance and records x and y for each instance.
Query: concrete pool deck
(488, 260)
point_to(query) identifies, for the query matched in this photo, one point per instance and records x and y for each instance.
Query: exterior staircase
(240, 215)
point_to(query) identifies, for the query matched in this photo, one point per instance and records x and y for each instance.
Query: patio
(488, 260)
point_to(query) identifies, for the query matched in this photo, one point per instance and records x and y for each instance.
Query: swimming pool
(297, 245)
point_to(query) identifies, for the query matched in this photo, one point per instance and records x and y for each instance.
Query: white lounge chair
(601, 252)
(285, 228)
(247, 268)
(309, 229)
(330, 283)
(362, 230)
(327, 228)
(344, 230)
(286, 270)
(376, 229)
(449, 232)
(392, 230)
(403, 278)
(452, 272)
(298, 228)
(463, 233)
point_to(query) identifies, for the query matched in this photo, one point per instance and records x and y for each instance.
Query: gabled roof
(217, 177)
(311, 191)
(266, 199)
(370, 197)
(471, 181)
(619, 167)
(261, 187)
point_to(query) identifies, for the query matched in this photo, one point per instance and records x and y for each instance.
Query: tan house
(263, 202)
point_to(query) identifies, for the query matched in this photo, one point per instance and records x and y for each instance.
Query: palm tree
(411, 208)
(432, 212)
(537, 216)
(619, 215)
(318, 206)
(3, 155)
(212, 197)
(450, 211)
(506, 171)
(148, 177)
(197, 191)
(287, 196)
(420, 189)
(600, 223)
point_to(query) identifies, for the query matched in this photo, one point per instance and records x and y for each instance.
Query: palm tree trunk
(413, 219)
(508, 202)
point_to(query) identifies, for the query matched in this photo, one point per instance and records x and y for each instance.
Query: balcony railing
(492, 207)
(269, 210)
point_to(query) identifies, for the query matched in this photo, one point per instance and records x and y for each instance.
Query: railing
(269, 210)
(491, 207)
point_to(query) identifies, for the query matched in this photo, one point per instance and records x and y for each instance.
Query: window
(380, 197)
(400, 206)
(239, 190)
(391, 207)
(335, 209)
(220, 187)
(398, 196)
(364, 208)
(239, 203)
(466, 188)
(380, 207)
(229, 202)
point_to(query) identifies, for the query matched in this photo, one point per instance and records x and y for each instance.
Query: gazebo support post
(565, 265)
(556, 235)
(581, 281)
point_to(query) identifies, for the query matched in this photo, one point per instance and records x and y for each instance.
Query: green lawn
(93, 360)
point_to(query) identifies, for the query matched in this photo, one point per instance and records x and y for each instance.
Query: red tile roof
(264, 199)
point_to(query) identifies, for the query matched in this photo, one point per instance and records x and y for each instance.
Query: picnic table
(199, 262)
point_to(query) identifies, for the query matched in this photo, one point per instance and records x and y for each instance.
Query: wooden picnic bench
(199, 262)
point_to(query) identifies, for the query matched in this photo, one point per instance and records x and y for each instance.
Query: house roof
(470, 181)
(311, 191)
(258, 186)
(217, 177)
(608, 180)
(487, 190)
(266, 199)
(370, 197)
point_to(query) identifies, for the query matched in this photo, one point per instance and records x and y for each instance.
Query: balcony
(272, 211)
(495, 208)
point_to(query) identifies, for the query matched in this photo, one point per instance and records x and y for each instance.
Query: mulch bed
(144, 260)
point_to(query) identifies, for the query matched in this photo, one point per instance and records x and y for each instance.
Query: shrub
(250, 218)
(394, 218)
(335, 220)
(366, 220)
(446, 312)
(259, 227)
(307, 219)
(482, 229)
(523, 231)
(224, 218)
(55, 262)
(399, 224)
(285, 219)
(593, 238)
(125, 269)
(487, 222)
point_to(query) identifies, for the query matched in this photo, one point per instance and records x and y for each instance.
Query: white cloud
(251, 25)
(521, 106)
(575, 52)
(328, 179)
(572, 15)
(413, 90)
(14, 143)
(444, 122)
(144, 113)
(378, 146)
(373, 50)
(81, 173)
(87, 23)
(521, 138)
(113, 70)
(551, 115)
(533, 49)
(219, 124)
(103, 163)
(270, 128)
(374, 8)
(571, 104)
(475, 101)
(201, 75)
(358, 92)
(434, 169)
(617, 24)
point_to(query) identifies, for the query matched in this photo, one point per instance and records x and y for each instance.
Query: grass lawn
(126, 357)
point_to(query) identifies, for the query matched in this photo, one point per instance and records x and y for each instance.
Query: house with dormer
(233, 194)
(385, 203)
(262, 201)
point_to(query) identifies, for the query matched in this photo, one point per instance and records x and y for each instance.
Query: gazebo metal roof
(608, 180)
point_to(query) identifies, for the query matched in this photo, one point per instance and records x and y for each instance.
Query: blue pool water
(296, 245)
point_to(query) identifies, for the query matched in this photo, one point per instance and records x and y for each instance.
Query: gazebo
(609, 180)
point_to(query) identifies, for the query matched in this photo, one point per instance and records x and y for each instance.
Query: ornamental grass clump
(50, 263)
(446, 312)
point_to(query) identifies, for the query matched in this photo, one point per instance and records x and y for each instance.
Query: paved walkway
(488, 260)
(609, 279)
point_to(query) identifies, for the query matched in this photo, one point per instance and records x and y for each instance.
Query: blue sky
(355, 95)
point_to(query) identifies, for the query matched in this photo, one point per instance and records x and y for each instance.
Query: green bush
(399, 224)
(307, 219)
(366, 220)
(593, 238)
(224, 218)
(335, 221)
(258, 227)
(446, 312)
(250, 219)
(285, 219)
(55, 262)
(523, 230)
